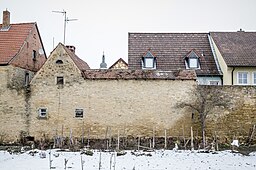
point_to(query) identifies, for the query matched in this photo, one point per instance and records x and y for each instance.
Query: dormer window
(59, 62)
(149, 61)
(192, 60)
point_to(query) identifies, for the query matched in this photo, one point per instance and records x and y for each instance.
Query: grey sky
(103, 25)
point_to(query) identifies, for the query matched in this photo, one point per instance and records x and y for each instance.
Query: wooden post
(165, 139)
(88, 138)
(83, 134)
(118, 140)
(110, 137)
(153, 138)
(82, 163)
(139, 143)
(192, 140)
(62, 136)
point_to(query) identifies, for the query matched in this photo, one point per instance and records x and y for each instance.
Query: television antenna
(66, 20)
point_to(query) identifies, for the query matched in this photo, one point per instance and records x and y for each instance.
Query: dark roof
(139, 74)
(118, 61)
(170, 50)
(237, 48)
(82, 65)
(11, 41)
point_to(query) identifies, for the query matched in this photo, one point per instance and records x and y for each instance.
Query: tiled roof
(237, 48)
(120, 60)
(170, 50)
(139, 74)
(12, 40)
(82, 65)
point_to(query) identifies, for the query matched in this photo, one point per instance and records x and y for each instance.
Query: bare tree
(206, 99)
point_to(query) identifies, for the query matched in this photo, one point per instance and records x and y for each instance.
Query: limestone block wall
(132, 107)
(14, 103)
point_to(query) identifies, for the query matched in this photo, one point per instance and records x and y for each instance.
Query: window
(193, 63)
(59, 62)
(79, 113)
(149, 61)
(42, 112)
(34, 55)
(254, 77)
(192, 60)
(242, 77)
(26, 79)
(60, 80)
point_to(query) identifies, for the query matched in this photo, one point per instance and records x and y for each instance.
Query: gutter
(232, 76)
(214, 54)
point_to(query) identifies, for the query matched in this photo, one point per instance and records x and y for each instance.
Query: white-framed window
(254, 78)
(242, 78)
(149, 62)
(42, 112)
(79, 113)
(193, 63)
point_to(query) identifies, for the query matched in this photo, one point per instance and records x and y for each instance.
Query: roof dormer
(192, 60)
(148, 60)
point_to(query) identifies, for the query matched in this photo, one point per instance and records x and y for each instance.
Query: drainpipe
(232, 74)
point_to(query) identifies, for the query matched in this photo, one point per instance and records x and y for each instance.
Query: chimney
(71, 48)
(6, 19)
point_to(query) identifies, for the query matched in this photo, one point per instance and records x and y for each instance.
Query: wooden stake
(110, 137)
(192, 140)
(153, 137)
(165, 139)
(83, 134)
(118, 140)
(88, 138)
(139, 143)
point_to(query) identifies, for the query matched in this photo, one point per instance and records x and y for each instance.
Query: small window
(60, 80)
(79, 113)
(254, 78)
(59, 62)
(26, 79)
(242, 78)
(42, 112)
(34, 55)
(149, 62)
(193, 63)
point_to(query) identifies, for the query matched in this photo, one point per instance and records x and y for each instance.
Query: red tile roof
(12, 40)
(82, 65)
(237, 48)
(126, 74)
(170, 50)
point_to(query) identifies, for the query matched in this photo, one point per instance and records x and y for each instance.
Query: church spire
(103, 64)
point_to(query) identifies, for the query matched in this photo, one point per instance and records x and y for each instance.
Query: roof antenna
(65, 22)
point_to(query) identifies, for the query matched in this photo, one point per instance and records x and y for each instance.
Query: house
(236, 55)
(21, 52)
(174, 51)
(119, 64)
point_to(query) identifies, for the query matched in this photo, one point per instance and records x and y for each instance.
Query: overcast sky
(103, 25)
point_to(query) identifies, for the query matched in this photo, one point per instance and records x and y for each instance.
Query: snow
(159, 160)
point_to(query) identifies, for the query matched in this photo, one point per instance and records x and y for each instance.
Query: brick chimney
(71, 48)
(6, 20)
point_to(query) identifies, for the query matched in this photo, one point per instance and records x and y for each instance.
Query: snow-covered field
(159, 160)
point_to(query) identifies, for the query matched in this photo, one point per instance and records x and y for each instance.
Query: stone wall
(132, 107)
(14, 99)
